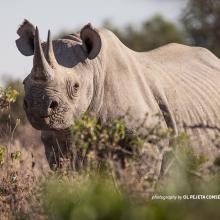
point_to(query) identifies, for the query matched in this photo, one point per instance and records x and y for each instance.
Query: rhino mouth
(47, 116)
(42, 121)
(51, 120)
(47, 119)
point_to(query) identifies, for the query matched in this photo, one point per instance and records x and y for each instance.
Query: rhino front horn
(50, 53)
(41, 68)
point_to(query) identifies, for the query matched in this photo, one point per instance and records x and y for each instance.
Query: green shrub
(89, 198)
(101, 144)
(96, 197)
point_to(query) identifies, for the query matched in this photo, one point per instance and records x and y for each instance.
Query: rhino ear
(91, 41)
(25, 43)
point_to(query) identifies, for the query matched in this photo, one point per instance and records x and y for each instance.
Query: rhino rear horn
(41, 68)
(50, 52)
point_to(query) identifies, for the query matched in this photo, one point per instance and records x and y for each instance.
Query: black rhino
(94, 71)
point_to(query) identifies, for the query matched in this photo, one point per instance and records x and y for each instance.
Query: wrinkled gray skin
(94, 71)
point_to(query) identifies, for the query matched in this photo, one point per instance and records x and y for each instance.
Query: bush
(88, 198)
(7, 96)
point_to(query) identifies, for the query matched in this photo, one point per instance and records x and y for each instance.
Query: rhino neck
(103, 75)
(98, 66)
(122, 83)
(98, 86)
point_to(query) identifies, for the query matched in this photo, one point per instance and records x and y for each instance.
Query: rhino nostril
(53, 104)
(25, 104)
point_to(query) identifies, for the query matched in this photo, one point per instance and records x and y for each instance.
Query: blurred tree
(201, 19)
(153, 33)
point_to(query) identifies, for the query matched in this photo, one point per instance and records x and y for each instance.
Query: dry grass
(23, 164)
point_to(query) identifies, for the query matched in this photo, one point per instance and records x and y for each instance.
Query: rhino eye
(72, 89)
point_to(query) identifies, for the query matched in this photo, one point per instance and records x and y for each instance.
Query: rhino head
(55, 93)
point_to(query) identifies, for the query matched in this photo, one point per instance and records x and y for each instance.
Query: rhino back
(189, 79)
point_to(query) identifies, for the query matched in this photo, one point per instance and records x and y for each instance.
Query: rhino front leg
(56, 146)
(48, 140)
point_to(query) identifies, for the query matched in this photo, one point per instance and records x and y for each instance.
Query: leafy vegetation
(7, 96)
(96, 198)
